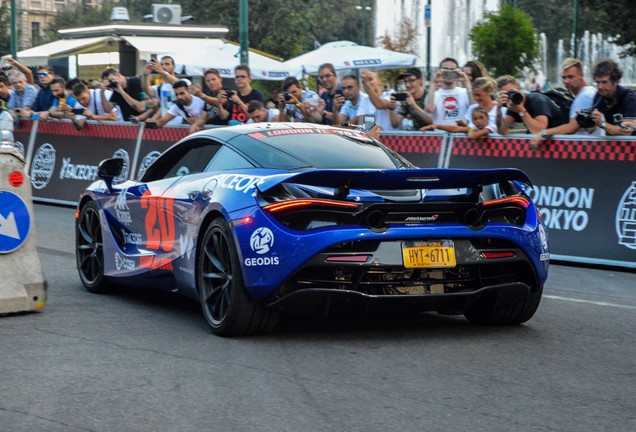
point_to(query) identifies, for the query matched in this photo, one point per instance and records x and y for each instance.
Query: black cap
(416, 72)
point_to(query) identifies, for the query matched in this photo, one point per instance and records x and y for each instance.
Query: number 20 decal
(160, 211)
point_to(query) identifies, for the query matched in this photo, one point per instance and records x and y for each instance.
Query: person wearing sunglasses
(44, 99)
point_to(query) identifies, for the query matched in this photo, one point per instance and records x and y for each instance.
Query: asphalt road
(141, 361)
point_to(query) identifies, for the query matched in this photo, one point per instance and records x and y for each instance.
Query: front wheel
(226, 305)
(488, 311)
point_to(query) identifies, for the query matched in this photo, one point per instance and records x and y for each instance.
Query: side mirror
(109, 169)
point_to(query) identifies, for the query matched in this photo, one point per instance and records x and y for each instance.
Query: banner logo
(42, 166)
(626, 218)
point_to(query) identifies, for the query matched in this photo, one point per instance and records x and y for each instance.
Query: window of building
(35, 33)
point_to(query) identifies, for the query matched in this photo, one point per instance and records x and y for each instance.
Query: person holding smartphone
(448, 102)
(90, 105)
(412, 104)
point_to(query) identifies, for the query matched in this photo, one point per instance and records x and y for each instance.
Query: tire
(486, 311)
(89, 250)
(227, 308)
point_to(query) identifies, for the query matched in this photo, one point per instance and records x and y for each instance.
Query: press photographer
(126, 93)
(535, 110)
(614, 104)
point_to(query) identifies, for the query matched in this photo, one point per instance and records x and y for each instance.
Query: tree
(403, 41)
(616, 19)
(81, 16)
(506, 41)
(5, 25)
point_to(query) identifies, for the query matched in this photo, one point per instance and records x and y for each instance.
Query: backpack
(563, 98)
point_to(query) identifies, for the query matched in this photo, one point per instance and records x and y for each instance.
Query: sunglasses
(42, 74)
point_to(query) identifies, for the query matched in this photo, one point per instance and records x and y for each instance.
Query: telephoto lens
(515, 97)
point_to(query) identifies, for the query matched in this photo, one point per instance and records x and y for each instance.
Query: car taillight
(510, 210)
(298, 204)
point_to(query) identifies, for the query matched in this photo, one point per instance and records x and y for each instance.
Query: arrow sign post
(15, 222)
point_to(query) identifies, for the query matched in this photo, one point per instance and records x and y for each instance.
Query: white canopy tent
(226, 56)
(349, 55)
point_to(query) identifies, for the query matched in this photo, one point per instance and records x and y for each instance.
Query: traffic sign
(15, 222)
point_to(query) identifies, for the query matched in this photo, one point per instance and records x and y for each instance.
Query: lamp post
(243, 32)
(575, 20)
(14, 32)
(364, 8)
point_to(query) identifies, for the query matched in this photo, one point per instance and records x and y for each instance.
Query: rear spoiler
(420, 178)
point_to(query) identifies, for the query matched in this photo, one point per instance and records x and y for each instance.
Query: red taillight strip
(497, 254)
(286, 205)
(348, 258)
(517, 200)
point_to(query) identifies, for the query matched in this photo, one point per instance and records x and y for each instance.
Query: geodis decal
(261, 242)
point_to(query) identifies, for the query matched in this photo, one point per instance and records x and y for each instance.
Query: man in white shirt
(257, 113)
(189, 108)
(164, 91)
(378, 102)
(449, 102)
(90, 105)
(574, 81)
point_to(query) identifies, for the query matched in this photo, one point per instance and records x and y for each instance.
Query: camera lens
(287, 96)
(515, 97)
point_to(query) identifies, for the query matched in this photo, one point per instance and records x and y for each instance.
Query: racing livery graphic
(255, 219)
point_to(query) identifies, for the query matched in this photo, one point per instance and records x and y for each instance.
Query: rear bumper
(329, 302)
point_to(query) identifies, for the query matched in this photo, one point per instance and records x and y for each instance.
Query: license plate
(421, 254)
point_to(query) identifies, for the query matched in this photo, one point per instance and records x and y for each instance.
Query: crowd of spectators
(457, 99)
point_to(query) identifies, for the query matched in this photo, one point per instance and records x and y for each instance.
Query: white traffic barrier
(22, 284)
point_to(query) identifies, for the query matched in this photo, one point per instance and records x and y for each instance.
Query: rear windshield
(349, 150)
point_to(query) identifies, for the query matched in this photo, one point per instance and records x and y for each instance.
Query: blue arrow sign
(15, 222)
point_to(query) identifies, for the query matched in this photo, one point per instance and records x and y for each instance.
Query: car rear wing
(398, 179)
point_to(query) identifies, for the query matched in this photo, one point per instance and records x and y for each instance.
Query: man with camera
(126, 93)
(162, 92)
(244, 95)
(449, 102)
(412, 104)
(298, 105)
(535, 110)
(613, 103)
(215, 98)
(580, 119)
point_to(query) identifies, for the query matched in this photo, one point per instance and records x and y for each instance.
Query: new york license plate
(421, 254)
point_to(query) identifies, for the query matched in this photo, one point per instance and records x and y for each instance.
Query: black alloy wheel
(226, 305)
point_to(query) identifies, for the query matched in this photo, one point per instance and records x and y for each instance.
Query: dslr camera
(287, 96)
(515, 97)
(584, 119)
(112, 84)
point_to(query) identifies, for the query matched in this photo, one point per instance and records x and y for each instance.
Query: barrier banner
(65, 160)
(422, 150)
(22, 135)
(584, 190)
(156, 141)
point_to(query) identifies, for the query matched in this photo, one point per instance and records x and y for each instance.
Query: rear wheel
(488, 311)
(226, 305)
(89, 249)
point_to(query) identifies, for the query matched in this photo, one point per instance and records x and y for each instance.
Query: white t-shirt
(194, 109)
(95, 105)
(583, 100)
(271, 113)
(382, 116)
(492, 118)
(450, 105)
(351, 110)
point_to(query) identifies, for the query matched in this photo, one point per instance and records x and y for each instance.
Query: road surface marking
(575, 300)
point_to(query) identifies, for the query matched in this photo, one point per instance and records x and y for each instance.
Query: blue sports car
(258, 219)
